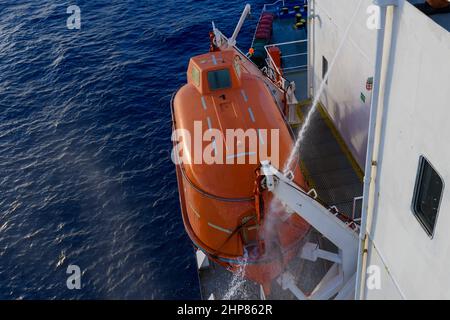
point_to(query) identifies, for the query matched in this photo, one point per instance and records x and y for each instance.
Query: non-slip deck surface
(328, 165)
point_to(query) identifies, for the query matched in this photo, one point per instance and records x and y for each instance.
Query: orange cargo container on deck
(224, 214)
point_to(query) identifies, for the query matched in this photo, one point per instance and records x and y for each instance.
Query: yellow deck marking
(341, 142)
(337, 137)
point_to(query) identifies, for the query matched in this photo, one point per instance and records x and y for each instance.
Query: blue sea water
(85, 172)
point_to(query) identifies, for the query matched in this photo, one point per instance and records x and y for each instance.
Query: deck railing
(269, 6)
(222, 43)
(277, 74)
(295, 50)
(273, 74)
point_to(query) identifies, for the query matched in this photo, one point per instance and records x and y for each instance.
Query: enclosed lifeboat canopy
(222, 211)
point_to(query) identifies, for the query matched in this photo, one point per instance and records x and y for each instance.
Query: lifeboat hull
(224, 212)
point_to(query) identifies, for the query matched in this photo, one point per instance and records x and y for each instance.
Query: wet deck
(327, 163)
(218, 283)
(222, 284)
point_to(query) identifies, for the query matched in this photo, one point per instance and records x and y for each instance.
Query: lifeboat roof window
(219, 79)
(196, 76)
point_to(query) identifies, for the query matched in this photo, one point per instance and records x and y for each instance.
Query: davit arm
(340, 280)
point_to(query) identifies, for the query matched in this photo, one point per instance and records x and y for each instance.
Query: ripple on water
(85, 170)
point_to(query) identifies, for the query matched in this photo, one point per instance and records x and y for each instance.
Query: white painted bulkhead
(342, 97)
(415, 122)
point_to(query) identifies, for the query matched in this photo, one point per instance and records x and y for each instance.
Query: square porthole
(427, 195)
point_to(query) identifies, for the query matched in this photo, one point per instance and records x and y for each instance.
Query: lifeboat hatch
(215, 72)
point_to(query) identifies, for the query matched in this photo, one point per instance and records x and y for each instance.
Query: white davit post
(245, 13)
(339, 282)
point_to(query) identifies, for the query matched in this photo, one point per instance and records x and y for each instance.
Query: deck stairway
(328, 165)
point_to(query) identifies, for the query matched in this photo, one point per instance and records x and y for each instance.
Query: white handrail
(286, 43)
(272, 62)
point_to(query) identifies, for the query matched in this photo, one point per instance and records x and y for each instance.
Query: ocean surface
(85, 172)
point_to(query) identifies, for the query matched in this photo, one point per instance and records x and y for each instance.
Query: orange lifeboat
(224, 211)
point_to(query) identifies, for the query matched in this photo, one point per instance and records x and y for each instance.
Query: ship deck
(327, 165)
(293, 45)
(326, 161)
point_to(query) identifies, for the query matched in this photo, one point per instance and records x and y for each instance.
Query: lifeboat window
(427, 195)
(196, 76)
(219, 79)
(237, 66)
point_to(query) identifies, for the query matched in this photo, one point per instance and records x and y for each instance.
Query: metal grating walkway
(328, 165)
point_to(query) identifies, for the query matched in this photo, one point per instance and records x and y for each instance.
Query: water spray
(305, 126)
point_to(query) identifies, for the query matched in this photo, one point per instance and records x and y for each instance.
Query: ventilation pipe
(384, 38)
